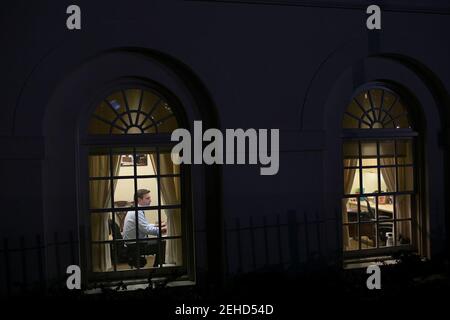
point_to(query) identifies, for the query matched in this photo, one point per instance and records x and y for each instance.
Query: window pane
(405, 178)
(101, 226)
(167, 124)
(127, 161)
(403, 206)
(376, 96)
(350, 210)
(397, 110)
(133, 99)
(150, 184)
(389, 123)
(152, 218)
(172, 219)
(155, 251)
(386, 234)
(404, 152)
(149, 102)
(388, 100)
(124, 192)
(166, 164)
(162, 111)
(404, 232)
(130, 232)
(368, 209)
(119, 216)
(351, 181)
(99, 166)
(369, 153)
(117, 102)
(402, 122)
(349, 122)
(98, 253)
(388, 179)
(97, 126)
(385, 208)
(370, 180)
(174, 252)
(387, 153)
(107, 111)
(146, 164)
(123, 162)
(146, 161)
(350, 237)
(369, 162)
(363, 99)
(170, 190)
(145, 254)
(149, 216)
(355, 110)
(119, 256)
(368, 235)
(100, 194)
(149, 126)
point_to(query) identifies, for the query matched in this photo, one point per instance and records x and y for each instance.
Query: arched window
(380, 194)
(137, 207)
(133, 111)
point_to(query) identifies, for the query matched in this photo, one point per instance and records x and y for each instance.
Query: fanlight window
(133, 111)
(377, 108)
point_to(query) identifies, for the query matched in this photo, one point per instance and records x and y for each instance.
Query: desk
(367, 228)
(352, 206)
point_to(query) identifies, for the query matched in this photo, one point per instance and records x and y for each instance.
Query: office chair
(118, 247)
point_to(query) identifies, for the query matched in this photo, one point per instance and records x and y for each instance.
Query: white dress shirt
(145, 228)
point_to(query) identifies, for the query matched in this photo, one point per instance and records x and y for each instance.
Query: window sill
(133, 285)
(364, 263)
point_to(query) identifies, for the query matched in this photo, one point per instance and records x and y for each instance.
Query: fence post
(24, 264)
(338, 249)
(57, 256)
(238, 235)
(305, 221)
(266, 242)
(280, 247)
(7, 267)
(72, 247)
(40, 263)
(252, 243)
(319, 244)
(225, 240)
(293, 238)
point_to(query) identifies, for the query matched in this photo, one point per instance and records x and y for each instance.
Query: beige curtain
(170, 191)
(100, 197)
(349, 177)
(388, 174)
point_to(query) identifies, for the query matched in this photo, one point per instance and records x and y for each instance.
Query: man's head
(143, 197)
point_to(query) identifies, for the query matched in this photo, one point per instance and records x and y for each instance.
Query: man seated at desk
(145, 229)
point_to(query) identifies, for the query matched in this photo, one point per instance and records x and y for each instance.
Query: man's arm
(145, 227)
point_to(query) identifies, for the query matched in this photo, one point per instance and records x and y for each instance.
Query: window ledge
(133, 285)
(364, 263)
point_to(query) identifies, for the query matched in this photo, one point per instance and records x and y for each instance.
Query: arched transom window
(377, 108)
(133, 111)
